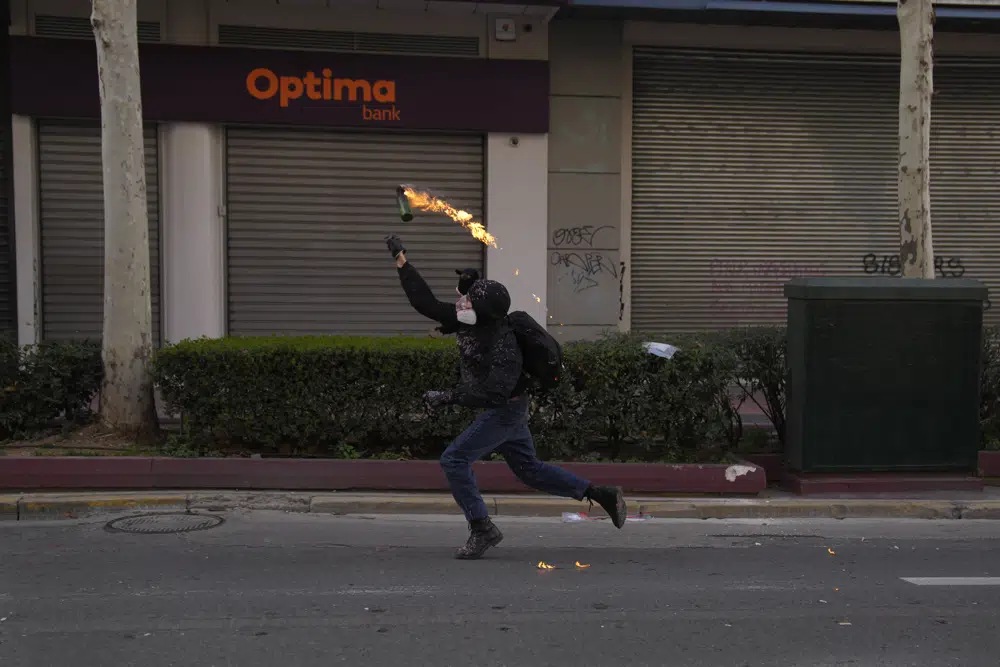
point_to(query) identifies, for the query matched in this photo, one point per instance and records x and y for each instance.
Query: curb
(74, 506)
(989, 464)
(812, 509)
(162, 474)
(8, 508)
(81, 505)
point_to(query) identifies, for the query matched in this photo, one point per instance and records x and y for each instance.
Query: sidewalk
(773, 505)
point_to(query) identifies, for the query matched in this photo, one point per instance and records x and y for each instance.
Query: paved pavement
(274, 588)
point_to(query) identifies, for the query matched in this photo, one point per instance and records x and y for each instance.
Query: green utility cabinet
(883, 374)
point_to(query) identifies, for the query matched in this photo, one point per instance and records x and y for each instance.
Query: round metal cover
(163, 524)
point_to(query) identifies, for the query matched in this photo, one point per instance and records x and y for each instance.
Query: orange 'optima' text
(264, 84)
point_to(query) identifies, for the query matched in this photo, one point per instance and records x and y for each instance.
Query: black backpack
(542, 353)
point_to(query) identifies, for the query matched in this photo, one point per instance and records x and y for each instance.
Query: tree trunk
(916, 86)
(126, 402)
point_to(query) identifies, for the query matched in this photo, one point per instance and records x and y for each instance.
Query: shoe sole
(492, 544)
(621, 509)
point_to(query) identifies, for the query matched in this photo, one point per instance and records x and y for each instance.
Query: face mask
(464, 312)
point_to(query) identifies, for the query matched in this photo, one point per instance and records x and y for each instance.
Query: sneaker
(612, 500)
(484, 534)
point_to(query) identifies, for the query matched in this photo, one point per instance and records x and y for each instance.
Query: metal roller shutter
(307, 214)
(751, 168)
(72, 229)
(965, 173)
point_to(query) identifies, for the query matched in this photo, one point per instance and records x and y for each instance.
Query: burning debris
(427, 202)
(542, 565)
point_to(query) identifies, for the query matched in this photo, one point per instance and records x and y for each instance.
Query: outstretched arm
(418, 291)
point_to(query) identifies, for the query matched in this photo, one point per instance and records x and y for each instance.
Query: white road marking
(953, 581)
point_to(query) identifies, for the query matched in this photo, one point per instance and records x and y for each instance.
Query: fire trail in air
(428, 202)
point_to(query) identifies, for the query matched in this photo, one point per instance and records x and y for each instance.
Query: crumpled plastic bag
(664, 350)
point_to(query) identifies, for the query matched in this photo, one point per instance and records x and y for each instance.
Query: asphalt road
(269, 589)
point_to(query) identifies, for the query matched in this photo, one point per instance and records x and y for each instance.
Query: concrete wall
(585, 178)
(517, 190)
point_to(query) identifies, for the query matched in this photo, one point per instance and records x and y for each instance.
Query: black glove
(436, 399)
(465, 279)
(448, 329)
(395, 245)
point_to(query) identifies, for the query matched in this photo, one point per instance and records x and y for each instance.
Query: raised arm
(418, 291)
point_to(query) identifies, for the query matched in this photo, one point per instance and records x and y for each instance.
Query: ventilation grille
(334, 40)
(78, 27)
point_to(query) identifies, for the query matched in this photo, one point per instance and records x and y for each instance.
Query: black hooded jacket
(491, 361)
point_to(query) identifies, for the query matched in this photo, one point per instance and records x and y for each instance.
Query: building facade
(656, 173)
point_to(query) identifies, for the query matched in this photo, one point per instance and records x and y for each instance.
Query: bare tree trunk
(916, 86)
(127, 394)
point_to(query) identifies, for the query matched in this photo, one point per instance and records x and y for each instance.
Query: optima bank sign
(377, 98)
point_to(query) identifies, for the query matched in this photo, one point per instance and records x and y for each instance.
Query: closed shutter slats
(308, 211)
(71, 195)
(749, 169)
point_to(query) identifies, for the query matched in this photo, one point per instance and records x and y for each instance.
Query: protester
(493, 380)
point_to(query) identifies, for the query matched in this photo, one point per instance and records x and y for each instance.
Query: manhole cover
(161, 524)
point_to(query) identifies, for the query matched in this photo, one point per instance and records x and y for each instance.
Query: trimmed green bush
(43, 384)
(761, 370)
(617, 401)
(346, 396)
(361, 397)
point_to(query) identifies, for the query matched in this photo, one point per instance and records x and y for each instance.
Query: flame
(581, 566)
(428, 202)
(542, 565)
(831, 551)
(517, 272)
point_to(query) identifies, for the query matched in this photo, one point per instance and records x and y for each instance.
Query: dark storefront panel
(71, 197)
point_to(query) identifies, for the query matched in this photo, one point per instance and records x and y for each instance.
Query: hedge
(344, 396)
(46, 384)
(361, 397)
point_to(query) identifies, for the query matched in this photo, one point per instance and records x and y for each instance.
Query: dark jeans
(504, 430)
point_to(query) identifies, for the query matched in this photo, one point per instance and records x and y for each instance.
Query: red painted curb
(773, 465)
(868, 483)
(989, 464)
(340, 475)
(51, 472)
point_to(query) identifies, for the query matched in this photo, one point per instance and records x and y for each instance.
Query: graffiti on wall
(890, 265)
(586, 270)
(740, 286)
(576, 237)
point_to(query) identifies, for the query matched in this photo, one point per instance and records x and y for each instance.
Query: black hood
(465, 279)
(490, 300)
